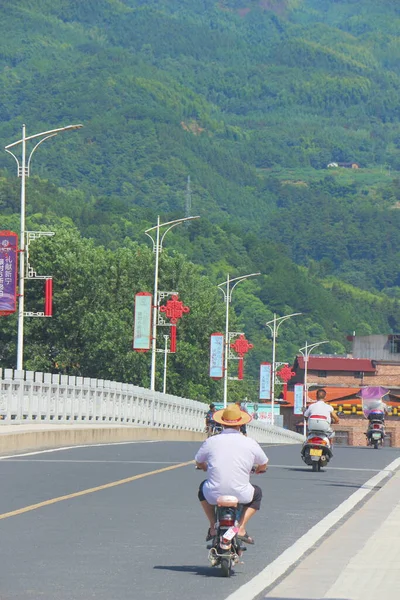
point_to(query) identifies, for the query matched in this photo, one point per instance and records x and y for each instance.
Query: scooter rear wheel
(316, 466)
(226, 566)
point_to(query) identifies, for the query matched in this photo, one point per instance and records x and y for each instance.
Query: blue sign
(217, 355)
(298, 399)
(142, 326)
(257, 410)
(265, 381)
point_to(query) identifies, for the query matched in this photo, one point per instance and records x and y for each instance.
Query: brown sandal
(247, 539)
(210, 536)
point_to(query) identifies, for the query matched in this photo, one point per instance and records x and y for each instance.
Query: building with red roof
(342, 377)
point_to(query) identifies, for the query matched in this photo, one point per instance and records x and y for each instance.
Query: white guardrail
(32, 397)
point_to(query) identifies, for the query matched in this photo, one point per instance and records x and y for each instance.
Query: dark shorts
(255, 502)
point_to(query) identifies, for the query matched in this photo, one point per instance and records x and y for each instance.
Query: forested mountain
(251, 99)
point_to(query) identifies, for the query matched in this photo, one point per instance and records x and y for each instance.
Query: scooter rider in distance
(375, 411)
(210, 423)
(320, 415)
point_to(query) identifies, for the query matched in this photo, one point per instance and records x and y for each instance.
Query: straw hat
(231, 416)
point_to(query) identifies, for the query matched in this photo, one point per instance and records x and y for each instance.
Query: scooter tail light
(227, 522)
(317, 440)
(376, 426)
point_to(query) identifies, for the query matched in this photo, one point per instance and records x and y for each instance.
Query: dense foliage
(252, 99)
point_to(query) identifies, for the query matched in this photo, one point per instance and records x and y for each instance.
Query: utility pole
(305, 352)
(157, 238)
(24, 172)
(227, 291)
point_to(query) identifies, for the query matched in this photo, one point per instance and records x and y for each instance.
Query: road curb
(60, 436)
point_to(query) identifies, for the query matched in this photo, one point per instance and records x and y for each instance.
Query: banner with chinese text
(265, 381)
(216, 356)
(142, 322)
(8, 272)
(298, 399)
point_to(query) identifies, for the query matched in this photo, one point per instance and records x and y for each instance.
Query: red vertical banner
(48, 297)
(172, 347)
(8, 272)
(240, 368)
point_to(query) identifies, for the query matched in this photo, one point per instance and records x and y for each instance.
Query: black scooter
(376, 430)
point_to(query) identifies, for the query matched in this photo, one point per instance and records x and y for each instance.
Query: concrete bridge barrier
(48, 410)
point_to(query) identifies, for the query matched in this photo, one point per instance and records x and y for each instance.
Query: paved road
(144, 539)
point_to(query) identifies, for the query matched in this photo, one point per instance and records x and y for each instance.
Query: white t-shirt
(230, 456)
(319, 408)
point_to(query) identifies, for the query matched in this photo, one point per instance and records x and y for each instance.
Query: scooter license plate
(315, 452)
(376, 436)
(230, 533)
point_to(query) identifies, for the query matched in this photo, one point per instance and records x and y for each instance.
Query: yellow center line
(98, 488)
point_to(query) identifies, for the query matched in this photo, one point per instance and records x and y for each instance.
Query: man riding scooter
(374, 410)
(320, 415)
(228, 459)
(210, 423)
(317, 449)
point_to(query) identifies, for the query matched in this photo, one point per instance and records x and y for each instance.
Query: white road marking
(104, 462)
(291, 555)
(301, 468)
(80, 446)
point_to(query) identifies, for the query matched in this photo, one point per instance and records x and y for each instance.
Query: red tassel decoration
(48, 297)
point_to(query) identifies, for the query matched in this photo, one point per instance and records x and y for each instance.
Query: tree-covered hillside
(252, 99)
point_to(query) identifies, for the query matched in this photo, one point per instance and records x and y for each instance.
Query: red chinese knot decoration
(174, 309)
(241, 346)
(285, 374)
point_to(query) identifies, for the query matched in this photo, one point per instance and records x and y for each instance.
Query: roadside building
(343, 165)
(375, 361)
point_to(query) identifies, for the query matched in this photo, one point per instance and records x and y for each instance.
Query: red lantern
(174, 309)
(285, 374)
(241, 346)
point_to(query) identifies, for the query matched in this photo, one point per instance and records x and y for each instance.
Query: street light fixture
(157, 248)
(305, 352)
(227, 292)
(274, 327)
(23, 172)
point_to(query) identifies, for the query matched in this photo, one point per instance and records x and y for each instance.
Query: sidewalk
(359, 561)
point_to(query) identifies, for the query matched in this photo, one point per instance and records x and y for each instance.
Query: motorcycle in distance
(317, 449)
(214, 429)
(374, 410)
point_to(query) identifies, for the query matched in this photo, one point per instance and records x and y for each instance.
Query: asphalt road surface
(144, 538)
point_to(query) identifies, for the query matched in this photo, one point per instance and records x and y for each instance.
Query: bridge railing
(34, 397)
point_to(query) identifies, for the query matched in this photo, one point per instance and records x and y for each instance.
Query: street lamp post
(274, 327)
(227, 292)
(157, 249)
(305, 352)
(23, 172)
